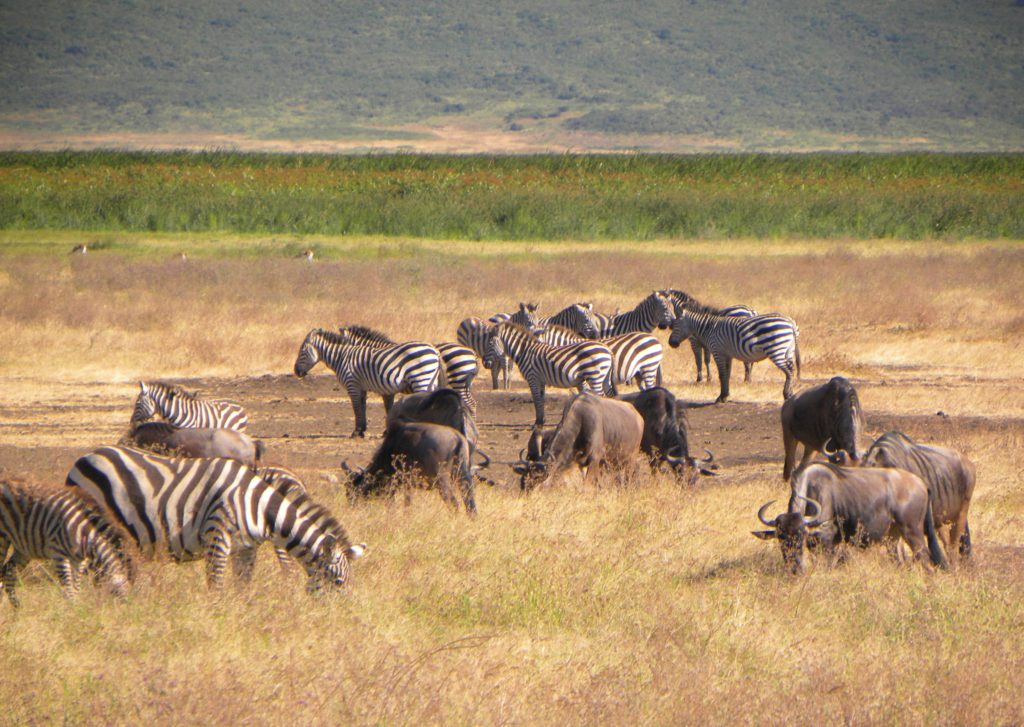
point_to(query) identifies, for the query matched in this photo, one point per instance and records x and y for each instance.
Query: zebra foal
(750, 338)
(62, 528)
(404, 367)
(186, 409)
(217, 509)
(583, 365)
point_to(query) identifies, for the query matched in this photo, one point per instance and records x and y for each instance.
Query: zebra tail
(796, 345)
(260, 449)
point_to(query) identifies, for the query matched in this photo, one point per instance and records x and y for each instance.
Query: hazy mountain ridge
(797, 73)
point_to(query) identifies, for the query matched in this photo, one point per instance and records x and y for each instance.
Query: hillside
(668, 76)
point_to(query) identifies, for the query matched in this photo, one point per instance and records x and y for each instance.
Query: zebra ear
(142, 387)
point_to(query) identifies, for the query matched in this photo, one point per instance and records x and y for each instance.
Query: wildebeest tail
(260, 449)
(938, 558)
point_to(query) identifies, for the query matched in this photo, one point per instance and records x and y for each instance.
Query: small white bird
(308, 254)
(79, 249)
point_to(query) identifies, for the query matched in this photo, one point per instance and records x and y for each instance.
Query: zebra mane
(367, 333)
(314, 510)
(174, 389)
(695, 307)
(516, 327)
(328, 335)
(556, 328)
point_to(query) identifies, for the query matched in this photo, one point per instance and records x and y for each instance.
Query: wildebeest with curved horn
(948, 474)
(431, 452)
(830, 412)
(197, 442)
(852, 504)
(594, 432)
(664, 438)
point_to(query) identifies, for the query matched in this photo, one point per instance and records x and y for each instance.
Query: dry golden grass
(646, 604)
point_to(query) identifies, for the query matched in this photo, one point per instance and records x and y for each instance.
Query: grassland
(647, 604)
(545, 197)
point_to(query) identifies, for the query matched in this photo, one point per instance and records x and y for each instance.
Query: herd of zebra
(221, 509)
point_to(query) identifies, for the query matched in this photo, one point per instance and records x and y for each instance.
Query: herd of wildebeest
(188, 479)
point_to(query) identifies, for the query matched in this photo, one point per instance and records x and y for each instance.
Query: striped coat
(213, 508)
(636, 357)
(186, 409)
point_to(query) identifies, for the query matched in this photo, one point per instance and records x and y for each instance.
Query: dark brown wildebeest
(594, 433)
(830, 412)
(853, 504)
(201, 442)
(431, 452)
(664, 438)
(948, 474)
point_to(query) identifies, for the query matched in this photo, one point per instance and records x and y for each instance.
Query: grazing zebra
(213, 508)
(403, 367)
(460, 367)
(186, 409)
(745, 338)
(63, 528)
(284, 481)
(653, 311)
(578, 317)
(635, 356)
(585, 365)
(701, 355)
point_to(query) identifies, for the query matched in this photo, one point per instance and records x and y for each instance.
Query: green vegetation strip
(544, 197)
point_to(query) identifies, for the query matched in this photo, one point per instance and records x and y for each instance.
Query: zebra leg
(698, 351)
(724, 365)
(67, 574)
(748, 369)
(358, 398)
(537, 392)
(217, 545)
(506, 372)
(243, 564)
(494, 376)
(284, 559)
(389, 401)
(10, 579)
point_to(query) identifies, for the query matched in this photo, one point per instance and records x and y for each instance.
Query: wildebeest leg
(444, 484)
(958, 530)
(965, 541)
(389, 401)
(789, 444)
(724, 365)
(698, 352)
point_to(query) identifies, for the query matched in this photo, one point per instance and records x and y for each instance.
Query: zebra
(585, 365)
(525, 316)
(214, 508)
(751, 338)
(284, 481)
(403, 367)
(62, 528)
(701, 355)
(473, 333)
(653, 311)
(635, 356)
(578, 317)
(460, 367)
(186, 409)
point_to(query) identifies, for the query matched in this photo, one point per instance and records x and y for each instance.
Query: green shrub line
(540, 197)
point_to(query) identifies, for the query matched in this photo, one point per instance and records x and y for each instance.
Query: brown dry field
(590, 603)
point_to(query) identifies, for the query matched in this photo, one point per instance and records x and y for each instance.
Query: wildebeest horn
(486, 462)
(825, 449)
(710, 457)
(811, 520)
(760, 514)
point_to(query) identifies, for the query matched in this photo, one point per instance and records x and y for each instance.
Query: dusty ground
(305, 424)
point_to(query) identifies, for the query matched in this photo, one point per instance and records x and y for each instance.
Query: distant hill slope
(663, 74)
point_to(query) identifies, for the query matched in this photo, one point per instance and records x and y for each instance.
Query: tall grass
(545, 197)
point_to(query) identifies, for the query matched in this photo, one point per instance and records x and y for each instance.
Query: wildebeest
(199, 442)
(852, 504)
(830, 412)
(431, 452)
(594, 432)
(664, 438)
(948, 474)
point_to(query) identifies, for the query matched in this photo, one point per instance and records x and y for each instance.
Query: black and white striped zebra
(702, 356)
(525, 316)
(654, 311)
(578, 317)
(62, 528)
(186, 408)
(636, 357)
(474, 333)
(750, 338)
(403, 367)
(213, 508)
(460, 366)
(284, 481)
(583, 365)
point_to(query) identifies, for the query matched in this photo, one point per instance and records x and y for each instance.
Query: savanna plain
(649, 603)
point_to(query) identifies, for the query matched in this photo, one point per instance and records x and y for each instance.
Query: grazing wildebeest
(664, 438)
(593, 432)
(202, 442)
(830, 412)
(430, 451)
(948, 474)
(852, 504)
